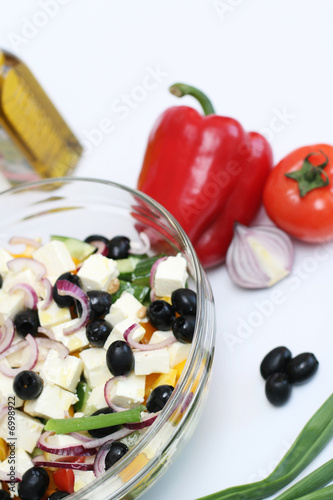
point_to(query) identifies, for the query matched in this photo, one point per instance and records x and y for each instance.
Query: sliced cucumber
(127, 265)
(140, 292)
(141, 273)
(78, 249)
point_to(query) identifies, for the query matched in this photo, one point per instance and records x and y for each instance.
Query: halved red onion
(30, 295)
(128, 336)
(6, 478)
(142, 247)
(13, 348)
(107, 393)
(101, 246)
(153, 271)
(7, 335)
(115, 436)
(75, 449)
(63, 351)
(40, 460)
(48, 288)
(22, 240)
(146, 421)
(67, 288)
(21, 263)
(28, 365)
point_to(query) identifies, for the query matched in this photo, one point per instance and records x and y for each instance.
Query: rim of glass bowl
(192, 364)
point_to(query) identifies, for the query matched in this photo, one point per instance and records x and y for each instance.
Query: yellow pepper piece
(3, 450)
(179, 368)
(133, 468)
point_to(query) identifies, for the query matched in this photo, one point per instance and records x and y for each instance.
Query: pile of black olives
(281, 371)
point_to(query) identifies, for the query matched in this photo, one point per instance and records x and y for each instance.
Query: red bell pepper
(207, 171)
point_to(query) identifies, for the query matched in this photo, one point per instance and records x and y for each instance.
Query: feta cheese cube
(170, 275)
(27, 430)
(178, 353)
(5, 257)
(25, 276)
(56, 258)
(18, 358)
(118, 332)
(127, 306)
(52, 403)
(63, 372)
(74, 341)
(82, 478)
(97, 272)
(52, 315)
(130, 392)
(10, 305)
(95, 368)
(147, 362)
(96, 400)
(160, 336)
(6, 387)
(22, 463)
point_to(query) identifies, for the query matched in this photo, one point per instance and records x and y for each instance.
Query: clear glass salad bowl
(78, 207)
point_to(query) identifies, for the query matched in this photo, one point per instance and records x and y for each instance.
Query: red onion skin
(30, 363)
(7, 335)
(75, 450)
(39, 461)
(128, 336)
(107, 391)
(147, 422)
(67, 288)
(21, 263)
(153, 271)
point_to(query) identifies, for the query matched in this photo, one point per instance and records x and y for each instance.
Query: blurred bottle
(35, 142)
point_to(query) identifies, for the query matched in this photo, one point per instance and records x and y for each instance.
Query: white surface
(257, 60)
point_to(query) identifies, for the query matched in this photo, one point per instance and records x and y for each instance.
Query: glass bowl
(78, 207)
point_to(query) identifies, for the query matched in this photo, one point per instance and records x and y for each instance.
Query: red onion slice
(13, 348)
(63, 351)
(22, 240)
(82, 437)
(101, 246)
(7, 335)
(48, 287)
(142, 247)
(46, 331)
(67, 288)
(115, 436)
(75, 449)
(28, 365)
(107, 393)
(153, 271)
(6, 479)
(128, 336)
(146, 421)
(99, 464)
(21, 263)
(40, 460)
(30, 296)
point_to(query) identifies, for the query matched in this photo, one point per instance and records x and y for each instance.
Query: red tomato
(64, 480)
(308, 217)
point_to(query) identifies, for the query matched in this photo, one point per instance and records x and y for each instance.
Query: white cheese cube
(52, 315)
(27, 430)
(170, 275)
(10, 305)
(147, 362)
(22, 462)
(82, 478)
(97, 272)
(6, 387)
(5, 257)
(130, 392)
(25, 276)
(63, 372)
(18, 358)
(74, 341)
(96, 400)
(95, 369)
(160, 336)
(118, 332)
(52, 403)
(56, 258)
(127, 306)
(62, 441)
(178, 353)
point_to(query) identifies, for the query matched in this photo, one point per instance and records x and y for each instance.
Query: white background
(257, 60)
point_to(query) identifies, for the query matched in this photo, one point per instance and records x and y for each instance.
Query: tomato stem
(310, 176)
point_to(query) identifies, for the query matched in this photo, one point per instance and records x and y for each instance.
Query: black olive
(275, 361)
(4, 495)
(158, 398)
(100, 303)
(27, 385)
(96, 237)
(161, 314)
(184, 301)
(119, 247)
(34, 484)
(120, 358)
(183, 328)
(1, 281)
(27, 321)
(116, 452)
(58, 495)
(105, 431)
(65, 300)
(98, 331)
(278, 389)
(301, 368)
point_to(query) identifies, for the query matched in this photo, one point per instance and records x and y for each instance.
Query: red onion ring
(40, 460)
(75, 449)
(48, 287)
(46, 331)
(13, 348)
(146, 421)
(107, 393)
(22, 240)
(102, 247)
(145, 245)
(63, 351)
(30, 296)
(67, 288)
(96, 443)
(82, 437)
(7, 335)
(21, 263)
(28, 365)
(128, 336)
(153, 271)
(6, 479)
(99, 464)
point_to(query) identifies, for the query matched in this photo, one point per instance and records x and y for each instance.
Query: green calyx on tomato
(310, 176)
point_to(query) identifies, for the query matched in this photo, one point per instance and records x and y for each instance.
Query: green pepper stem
(181, 89)
(66, 425)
